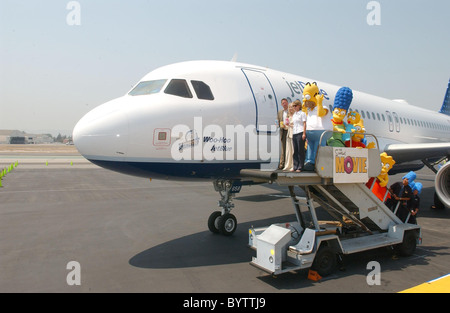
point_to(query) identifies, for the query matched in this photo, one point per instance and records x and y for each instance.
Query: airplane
(208, 120)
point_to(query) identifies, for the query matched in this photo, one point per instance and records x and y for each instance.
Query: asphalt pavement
(69, 226)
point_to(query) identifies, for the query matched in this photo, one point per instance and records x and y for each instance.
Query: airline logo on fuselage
(296, 89)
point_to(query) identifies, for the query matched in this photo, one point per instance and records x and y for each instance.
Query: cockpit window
(178, 87)
(148, 87)
(202, 90)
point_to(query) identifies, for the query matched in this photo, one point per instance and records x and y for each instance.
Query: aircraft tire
(227, 224)
(213, 222)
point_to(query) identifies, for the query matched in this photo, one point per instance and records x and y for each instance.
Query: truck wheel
(325, 261)
(408, 246)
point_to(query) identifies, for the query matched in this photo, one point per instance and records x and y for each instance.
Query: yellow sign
(350, 165)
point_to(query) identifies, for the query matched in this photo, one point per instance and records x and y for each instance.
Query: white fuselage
(165, 130)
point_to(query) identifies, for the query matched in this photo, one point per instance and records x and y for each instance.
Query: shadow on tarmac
(207, 249)
(203, 249)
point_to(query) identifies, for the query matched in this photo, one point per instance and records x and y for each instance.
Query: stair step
(368, 242)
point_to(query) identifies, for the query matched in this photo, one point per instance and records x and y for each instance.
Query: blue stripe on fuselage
(178, 170)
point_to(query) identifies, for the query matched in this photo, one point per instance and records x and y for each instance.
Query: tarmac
(129, 234)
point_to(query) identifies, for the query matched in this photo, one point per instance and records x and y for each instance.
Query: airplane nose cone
(102, 134)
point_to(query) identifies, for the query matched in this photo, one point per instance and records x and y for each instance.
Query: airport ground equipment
(360, 220)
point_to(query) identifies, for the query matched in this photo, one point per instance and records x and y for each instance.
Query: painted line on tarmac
(438, 285)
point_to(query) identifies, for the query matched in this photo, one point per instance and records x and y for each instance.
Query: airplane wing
(413, 152)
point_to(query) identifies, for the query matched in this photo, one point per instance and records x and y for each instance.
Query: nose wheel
(223, 222)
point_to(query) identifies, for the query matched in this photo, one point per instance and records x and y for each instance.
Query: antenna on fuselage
(234, 58)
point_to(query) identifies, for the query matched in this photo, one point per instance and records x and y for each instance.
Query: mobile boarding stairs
(362, 221)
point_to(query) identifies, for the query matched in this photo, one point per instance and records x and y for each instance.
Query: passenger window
(202, 90)
(178, 87)
(363, 114)
(382, 116)
(368, 115)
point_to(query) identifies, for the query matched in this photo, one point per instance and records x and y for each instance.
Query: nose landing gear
(223, 222)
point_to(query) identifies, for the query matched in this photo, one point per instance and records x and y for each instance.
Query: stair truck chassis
(361, 220)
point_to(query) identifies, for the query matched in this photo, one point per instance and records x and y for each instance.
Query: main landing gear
(223, 222)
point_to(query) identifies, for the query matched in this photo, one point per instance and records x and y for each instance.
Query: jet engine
(442, 187)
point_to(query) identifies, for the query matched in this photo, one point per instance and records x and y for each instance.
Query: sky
(59, 59)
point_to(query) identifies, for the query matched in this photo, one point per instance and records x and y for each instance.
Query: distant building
(12, 136)
(4, 137)
(20, 137)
